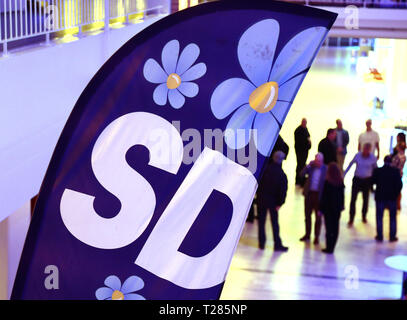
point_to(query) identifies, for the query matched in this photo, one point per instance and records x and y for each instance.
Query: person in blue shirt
(365, 162)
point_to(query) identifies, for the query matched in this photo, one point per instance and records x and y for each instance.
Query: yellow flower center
(264, 98)
(117, 295)
(173, 81)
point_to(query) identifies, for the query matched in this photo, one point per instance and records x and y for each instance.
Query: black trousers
(250, 216)
(311, 204)
(301, 161)
(359, 185)
(332, 228)
(392, 206)
(262, 214)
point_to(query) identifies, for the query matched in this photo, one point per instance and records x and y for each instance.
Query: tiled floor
(356, 270)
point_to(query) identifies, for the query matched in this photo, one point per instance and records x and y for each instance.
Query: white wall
(38, 89)
(3, 260)
(13, 231)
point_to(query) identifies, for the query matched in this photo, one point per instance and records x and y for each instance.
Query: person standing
(341, 142)
(280, 145)
(327, 146)
(365, 164)
(370, 136)
(401, 138)
(332, 204)
(271, 196)
(397, 161)
(316, 171)
(388, 186)
(302, 145)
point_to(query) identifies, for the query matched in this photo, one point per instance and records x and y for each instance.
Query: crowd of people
(322, 181)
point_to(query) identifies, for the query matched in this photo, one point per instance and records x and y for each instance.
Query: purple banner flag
(151, 181)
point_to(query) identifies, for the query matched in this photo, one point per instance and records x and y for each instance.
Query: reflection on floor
(356, 270)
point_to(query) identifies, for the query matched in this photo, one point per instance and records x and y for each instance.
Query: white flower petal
(188, 89)
(230, 95)
(194, 73)
(297, 54)
(153, 72)
(187, 58)
(288, 90)
(237, 133)
(280, 110)
(169, 56)
(160, 94)
(103, 293)
(132, 284)
(133, 296)
(267, 130)
(113, 282)
(176, 99)
(256, 50)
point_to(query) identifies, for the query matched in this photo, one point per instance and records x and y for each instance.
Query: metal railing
(24, 19)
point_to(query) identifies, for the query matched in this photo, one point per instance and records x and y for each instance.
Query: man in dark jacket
(341, 142)
(271, 196)
(280, 145)
(302, 146)
(327, 146)
(316, 172)
(388, 187)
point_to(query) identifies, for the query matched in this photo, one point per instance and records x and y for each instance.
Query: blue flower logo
(114, 289)
(262, 102)
(175, 79)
